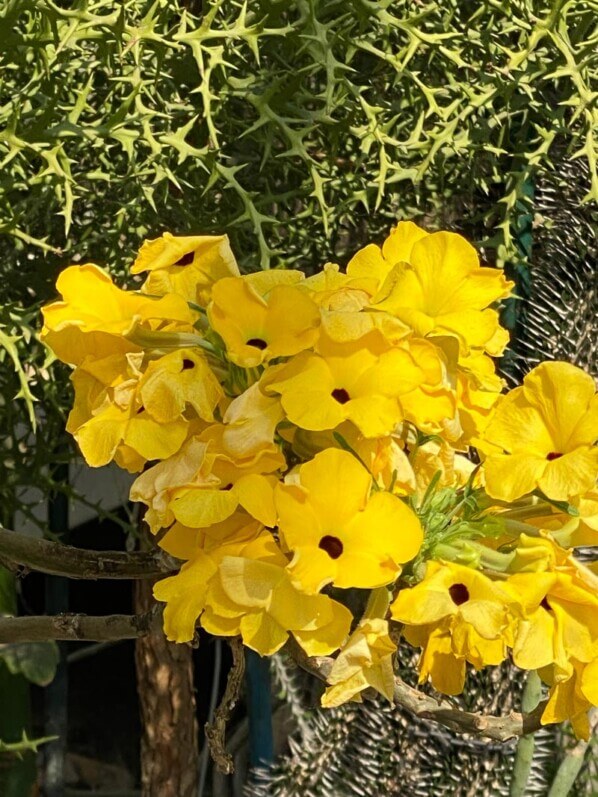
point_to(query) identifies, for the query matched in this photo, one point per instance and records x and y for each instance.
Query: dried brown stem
(216, 731)
(439, 710)
(65, 560)
(79, 627)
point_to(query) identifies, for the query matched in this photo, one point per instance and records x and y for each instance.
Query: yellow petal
(509, 477)
(184, 595)
(262, 633)
(255, 493)
(571, 475)
(177, 379)
(203, 507)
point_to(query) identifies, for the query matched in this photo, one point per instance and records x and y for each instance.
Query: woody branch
(58, 559)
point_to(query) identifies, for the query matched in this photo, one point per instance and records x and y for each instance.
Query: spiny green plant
(120, 121)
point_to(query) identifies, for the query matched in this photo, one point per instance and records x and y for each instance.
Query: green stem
(533, 510)
(525, 746)
(520, 528)
(468, 551)
(571, 765)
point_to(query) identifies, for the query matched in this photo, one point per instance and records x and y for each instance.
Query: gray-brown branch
(79, 627)
(65, 560)
(439, 710)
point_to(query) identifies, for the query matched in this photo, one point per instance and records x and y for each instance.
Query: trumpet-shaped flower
(109, 421)
(365, 661)
(442, 290)
(185, 265)
(185, 593)
(202, 485)
(351, 382)
(457, 604)
(373, 264)
(478, 390)
(335, 291)
(438, 663)
(570, 698)
(554, 605)
(542, 436)
(259, 601)
(250, 423)
(433, 403)
(94, 316)
(437, 457)
(257, 329)
(338, 532)
(180, 379)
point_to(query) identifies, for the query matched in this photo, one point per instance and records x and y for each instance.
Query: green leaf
(36, 661)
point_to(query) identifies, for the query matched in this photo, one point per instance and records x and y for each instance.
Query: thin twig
(216, 731)
(65, 560)
(79, 627)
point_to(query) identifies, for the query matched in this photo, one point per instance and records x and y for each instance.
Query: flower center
(188, 364)
(553, 455)
(340, 395)
(259, 343)
(185, 260)
(332, 545)
(459, 594)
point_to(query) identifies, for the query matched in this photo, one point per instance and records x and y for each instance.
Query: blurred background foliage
(301, 129)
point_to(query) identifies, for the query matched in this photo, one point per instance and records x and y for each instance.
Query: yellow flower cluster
(297, 438)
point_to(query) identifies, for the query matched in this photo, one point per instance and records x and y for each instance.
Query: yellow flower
(442, 290)
(438, 662)
(94, 316)
(156, 486)
(258, 600)
(459, 603)
(91, 380)
(111, 422)
(220, 539)
(571, 698)
(373, 264)
(432, 404)
(338, 532)
(333, 290)
(187, 266)
(365, 661)
(348, 382)
(386, 460)
(567, 530)
(542, 436)
(478, 390)
(555, 607)
(250, 422)
(203, 484)
(197, 506)
(258, 328)
(185, 593)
